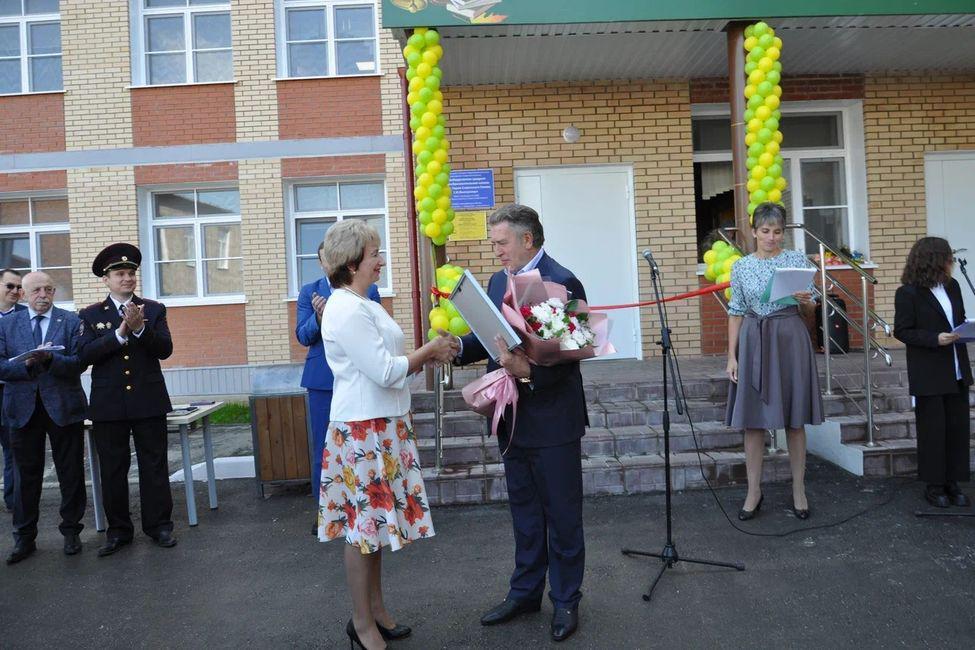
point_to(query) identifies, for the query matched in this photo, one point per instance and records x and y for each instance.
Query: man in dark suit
(124, 339)
(543, 465)
(43, 395)
(317, 376)
(11, 291)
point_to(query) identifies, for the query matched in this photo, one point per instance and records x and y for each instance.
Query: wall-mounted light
(571, 134)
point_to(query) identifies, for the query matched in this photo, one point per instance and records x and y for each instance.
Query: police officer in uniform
(124, 339)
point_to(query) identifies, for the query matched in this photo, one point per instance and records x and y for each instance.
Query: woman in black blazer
(926, 308)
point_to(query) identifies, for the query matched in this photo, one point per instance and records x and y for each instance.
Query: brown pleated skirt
(778, 382)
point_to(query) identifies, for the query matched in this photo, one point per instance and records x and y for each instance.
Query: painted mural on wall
(474, 12)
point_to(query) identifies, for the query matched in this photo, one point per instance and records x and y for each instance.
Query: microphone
(648, 256)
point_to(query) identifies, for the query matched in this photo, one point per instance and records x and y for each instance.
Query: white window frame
(138, 22)
(851, 149)
(147, 224)
(24, 22)
(292, 219)
(31, 231)
(281, 35)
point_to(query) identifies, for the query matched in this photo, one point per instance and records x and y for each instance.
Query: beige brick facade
(646, 125)
(399, 244)
(252, 30)
(905, 117)
(97, 74)
(102, 208)
(265, 269)
(390, 62)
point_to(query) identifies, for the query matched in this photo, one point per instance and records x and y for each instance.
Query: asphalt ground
(251, 575)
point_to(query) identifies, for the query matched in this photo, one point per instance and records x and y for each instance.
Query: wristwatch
(525, 380)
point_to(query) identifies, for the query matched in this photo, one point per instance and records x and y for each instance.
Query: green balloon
(779, 160)
(428, 204)
(415, 123)
(748, 114)
(425, 94)
(446, 228)
(764, 88)
(755, 101)
(439, 241)
(438, 73)
(419, 170)
(434, 190)
(759, 196)
(767, 183)
(423, 158)
(751, 207)
(449, 306)
(416, 40)
(777, 114)
(441, 179)
(771, 124)
(432, 144)
(410, 73)
(765, 40)
(760, 28)
(773, 76)
(750, 162)
(425, 217)
(757, 53)
(450, 214)
(432, 37)
(774, 170)
(777, 66)
(750, 67)
(764, 136)
(438, 131)
(418, 108)
(441, 120)
(445, 168)
(756, 150)
(414, 59)
(432, 82)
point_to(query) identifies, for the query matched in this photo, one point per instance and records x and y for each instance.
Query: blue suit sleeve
(374, 294)
(67, 364)
(10, 370)
(308, 331)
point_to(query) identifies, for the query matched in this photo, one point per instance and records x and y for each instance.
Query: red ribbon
(681, 296)
(437, 293)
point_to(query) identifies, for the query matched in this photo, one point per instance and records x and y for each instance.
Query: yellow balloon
(435, 107)
(765, 160)
(781, 183)
(439, 322)
(726, 266)
(438, 96)
(440, 156)
(758, 172)
(752, 185)
(750, 43)
(408, 50)
(727, 293)
(762, 113)
(710, 256)
(777, 137)
(445, 144)
(439, 49)
(439, 216)
(777, 91)
(754, 125)
(755, 78)
(773, 53)
(419, 192)
(443, 203)
(776, 42)
(428, 120)
(411, 98)
(422, 133)
(772, 102)
(429, 56)
(423, 71)
(434, 167)
(775, 195)
(415, 84)
(765, 64)
(724, 277)
(421, 30)
(750, 139)
(772, 147)
(432, 230)
(417, 147)
(749, 91)
(425, 180)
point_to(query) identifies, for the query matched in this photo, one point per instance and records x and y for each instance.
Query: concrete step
(889, 426)
(602, 475)
(894, 457)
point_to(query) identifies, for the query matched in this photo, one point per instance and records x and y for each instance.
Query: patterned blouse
(750, 276)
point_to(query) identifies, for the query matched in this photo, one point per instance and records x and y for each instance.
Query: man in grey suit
(43, 395)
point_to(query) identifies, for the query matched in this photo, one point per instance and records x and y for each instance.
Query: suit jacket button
(128, 388)
(126, 357)
(128, 372)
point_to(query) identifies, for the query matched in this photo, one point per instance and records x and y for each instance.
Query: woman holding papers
(372, 490)
(927, 307)
(771, 364)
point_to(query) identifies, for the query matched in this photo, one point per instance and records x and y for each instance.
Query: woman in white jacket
(372, 490)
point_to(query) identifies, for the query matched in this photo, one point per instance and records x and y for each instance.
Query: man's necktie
(38, 335)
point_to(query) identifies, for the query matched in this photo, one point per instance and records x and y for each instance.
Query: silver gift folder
(483, 317)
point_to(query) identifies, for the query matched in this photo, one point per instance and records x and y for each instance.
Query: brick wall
(32, 123)
(905, 117)
(211, 335)
(332, 166)
(329, 108)
(188, 174)
(172, 115)
(95, 47)
(796, 88)
(252, 31)
(645, 124)
(33, 181)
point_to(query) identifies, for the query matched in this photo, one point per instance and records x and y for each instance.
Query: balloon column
(444, 316)
(719, 260)
(430, 146)
(763, 137)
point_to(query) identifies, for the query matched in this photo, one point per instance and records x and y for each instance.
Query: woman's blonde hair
(344, 247)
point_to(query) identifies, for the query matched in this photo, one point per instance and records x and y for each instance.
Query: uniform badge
(108, 325)
(81, 328)
(100, 326)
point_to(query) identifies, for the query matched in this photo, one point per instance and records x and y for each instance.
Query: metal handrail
(878, 321)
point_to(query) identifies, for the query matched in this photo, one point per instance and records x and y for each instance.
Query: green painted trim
(433, 13)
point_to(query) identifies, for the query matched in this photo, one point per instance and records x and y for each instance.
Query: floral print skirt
(372, 487)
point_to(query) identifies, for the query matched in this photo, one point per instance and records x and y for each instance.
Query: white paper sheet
(43, 348)
(483, 317)
(966, 331)
(786, 282)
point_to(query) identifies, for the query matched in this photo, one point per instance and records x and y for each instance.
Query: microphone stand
(962, 264)
(668, 555)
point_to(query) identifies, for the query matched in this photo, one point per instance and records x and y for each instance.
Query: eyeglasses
(11, 286)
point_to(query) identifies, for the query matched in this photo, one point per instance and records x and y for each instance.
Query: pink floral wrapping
(530, 289)
(491, 394)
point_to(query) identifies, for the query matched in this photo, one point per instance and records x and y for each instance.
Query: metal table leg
(94, 471)
(184, 440)
(208, 452)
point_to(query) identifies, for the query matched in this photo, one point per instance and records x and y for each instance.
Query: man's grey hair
(771, 214)
(522, 219)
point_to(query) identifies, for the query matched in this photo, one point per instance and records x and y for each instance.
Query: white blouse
(939, 292)
(365, 350)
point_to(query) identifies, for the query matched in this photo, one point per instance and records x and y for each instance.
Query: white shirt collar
(117, 303)
(531, 264)
(32, 313)
(9, 311)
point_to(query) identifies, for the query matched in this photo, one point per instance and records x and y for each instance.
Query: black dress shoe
(164, 539)
(22, 551)
(395, 632)
(800, 514)
(509, 609)
(956, 496)
(935, 494)
(564, 623)
(745, 515)
(113, 545)
(72, 544)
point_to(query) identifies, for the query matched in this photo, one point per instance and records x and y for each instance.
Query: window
(30, 46)
(314, 207)
(820, 153)
(34, 236)
(327, 38)
(195, 236)
(183, 41)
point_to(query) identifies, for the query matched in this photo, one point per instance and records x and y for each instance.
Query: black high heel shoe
(800, 514)
(395, 632)
(353, 636)
(745, 515)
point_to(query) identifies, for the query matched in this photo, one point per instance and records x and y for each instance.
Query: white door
(951, 209)
(590, 229)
